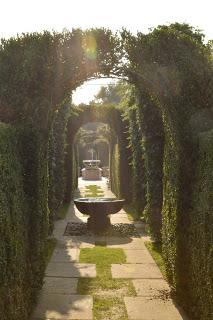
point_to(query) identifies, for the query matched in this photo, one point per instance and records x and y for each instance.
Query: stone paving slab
(151, 287)
(120, 214)
(142, 308)
(115, 219)
(60, 285)
(76, 241)
(125, 243)
(63, 307)
(71, 270)
(138, 256)
(65, 255)
(136, 271)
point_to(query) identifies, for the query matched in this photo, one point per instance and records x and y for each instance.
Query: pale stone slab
(60, 285)
(136, 271)
(142, 308)
(119, 215)
(76, 242)
(65, 255)
(71, 270)
(151, 287)
(138, 256)
(125, 243)
(116, 219)
(63, 307)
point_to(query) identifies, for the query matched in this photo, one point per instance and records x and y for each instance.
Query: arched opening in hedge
(111, 116)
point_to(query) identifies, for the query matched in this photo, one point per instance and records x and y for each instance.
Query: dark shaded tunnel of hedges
(161, 159)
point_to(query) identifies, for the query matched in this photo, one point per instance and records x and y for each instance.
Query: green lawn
(107, 293)
(156, 252)
(93, 191)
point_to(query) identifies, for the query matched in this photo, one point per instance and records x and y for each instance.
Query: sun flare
(90, 47)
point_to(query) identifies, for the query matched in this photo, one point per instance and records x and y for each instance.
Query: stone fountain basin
(102, 206)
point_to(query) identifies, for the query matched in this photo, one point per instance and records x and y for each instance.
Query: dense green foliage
(201, 234)
(153, 144)
(139, 181)
(14, 275)
(115, 169)
(172, 70)
(56, 157)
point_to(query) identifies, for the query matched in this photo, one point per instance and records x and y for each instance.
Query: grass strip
(93, 191)
(155, 250)
(63, 212)
(109, 308)
(50, 246)
(107, 293)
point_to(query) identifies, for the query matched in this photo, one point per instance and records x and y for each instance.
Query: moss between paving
(107, 293)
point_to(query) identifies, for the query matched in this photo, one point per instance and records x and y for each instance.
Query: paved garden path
(59, 299)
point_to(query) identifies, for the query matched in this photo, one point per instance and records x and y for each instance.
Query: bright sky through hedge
(19, 16)
(89, 44)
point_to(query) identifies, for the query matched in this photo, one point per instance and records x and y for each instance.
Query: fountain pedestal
(91, 170)
(99, 210)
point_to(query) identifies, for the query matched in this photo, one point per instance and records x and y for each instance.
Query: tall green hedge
(201, 232)
(115, 169)
(139, 181)
(33, 150)
(15, 274)
(56, 158)
(152, 131)
(178, 182)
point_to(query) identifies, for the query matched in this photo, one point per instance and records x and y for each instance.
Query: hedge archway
(113, 117)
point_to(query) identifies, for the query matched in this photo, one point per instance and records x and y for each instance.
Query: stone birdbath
(99, 210)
